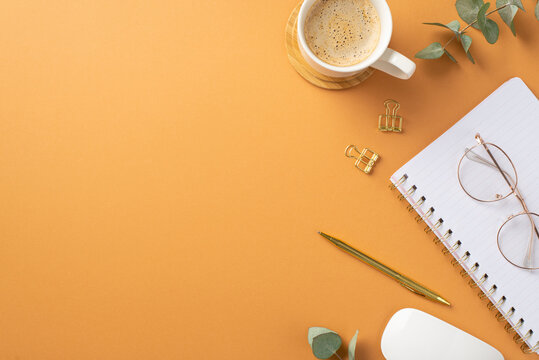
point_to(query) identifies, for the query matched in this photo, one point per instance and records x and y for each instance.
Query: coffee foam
(342, 32)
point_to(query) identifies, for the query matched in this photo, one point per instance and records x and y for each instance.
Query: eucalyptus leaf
(436, 24)
(492, 31)
(325, 345)
(512, 27)
(352, 347)
(482, 15)
(315, 331)
(470, 57)
(468, 9)
(466, 42)
(450, 56)
(433, 51)
(488, 27)
(537, 10)
(507, 14)
(516, 3)
(454, 26)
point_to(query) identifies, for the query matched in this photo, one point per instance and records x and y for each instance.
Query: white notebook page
(509, 118)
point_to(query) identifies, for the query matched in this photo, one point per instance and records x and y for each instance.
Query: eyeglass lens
(480, 176)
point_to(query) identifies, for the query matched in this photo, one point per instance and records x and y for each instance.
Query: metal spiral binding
(428, 214)
(462, 259)
(436, 226)
(401, 180)
(474, 284)
(492, 306)
(473, 269)
(454, 248)
(445, 237)
(491, 291)
(410, 192)
(510, 329)
(500, 315)
(419, 202)
(520, 340)
(527, 350)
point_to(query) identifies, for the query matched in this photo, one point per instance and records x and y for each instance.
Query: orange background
(164, 171)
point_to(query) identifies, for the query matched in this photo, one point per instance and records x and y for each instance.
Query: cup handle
(395, 64)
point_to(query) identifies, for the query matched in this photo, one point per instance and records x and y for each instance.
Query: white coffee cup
(382, 58)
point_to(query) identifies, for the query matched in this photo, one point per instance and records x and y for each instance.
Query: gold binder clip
(365, 159)
(390, 121)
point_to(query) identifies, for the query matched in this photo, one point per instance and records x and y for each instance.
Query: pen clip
(411, 289)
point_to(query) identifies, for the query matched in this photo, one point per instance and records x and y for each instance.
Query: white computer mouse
(411, 334)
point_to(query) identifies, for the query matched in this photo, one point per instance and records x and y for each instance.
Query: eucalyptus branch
(487, 14)
(474, 13)
(449, 41)
(460, 32)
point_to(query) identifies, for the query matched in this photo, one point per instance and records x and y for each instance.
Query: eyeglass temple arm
(481, 160)
(525, 207)
(480, 140)
(517, 194)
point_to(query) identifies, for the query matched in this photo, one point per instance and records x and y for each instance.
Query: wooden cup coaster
(306, 71)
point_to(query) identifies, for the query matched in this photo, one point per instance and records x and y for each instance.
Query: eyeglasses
(487, 174)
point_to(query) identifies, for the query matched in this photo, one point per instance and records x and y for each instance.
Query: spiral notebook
(509, 117)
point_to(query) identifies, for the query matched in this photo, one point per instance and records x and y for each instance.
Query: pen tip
(326, 236)
(444, 301)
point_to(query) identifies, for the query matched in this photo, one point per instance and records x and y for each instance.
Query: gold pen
(403, 280)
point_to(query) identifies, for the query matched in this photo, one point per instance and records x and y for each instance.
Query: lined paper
(509, 118)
